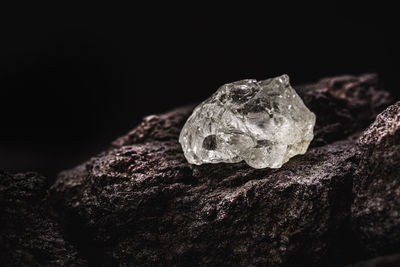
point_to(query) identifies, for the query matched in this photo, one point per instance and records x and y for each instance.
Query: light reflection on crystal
(264, 123)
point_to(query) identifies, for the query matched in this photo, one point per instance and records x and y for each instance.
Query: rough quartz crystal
(264, 123)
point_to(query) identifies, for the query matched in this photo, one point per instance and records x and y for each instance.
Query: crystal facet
(264, 123)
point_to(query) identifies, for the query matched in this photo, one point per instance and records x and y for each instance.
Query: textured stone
(264, 123)
(141, 203)
(376, 207)
(343, 105)
(28, 235)
(196, 214)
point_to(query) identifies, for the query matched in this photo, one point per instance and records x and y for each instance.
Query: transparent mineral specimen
(264, 123)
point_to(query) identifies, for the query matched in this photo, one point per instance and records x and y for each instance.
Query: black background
(72, 79)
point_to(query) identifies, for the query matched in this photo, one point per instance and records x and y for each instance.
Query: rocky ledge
(140, 203)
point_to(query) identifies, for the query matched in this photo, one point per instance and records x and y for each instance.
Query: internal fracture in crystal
(264, 123)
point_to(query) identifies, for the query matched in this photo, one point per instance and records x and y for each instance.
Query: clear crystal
(264, 123)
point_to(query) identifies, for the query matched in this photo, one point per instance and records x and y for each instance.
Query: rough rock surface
(343, 105)
(141, 203)
(28, 236)
(143, 211)
(376, 208)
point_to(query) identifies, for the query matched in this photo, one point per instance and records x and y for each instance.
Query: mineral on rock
(264, 123)
(141, 203)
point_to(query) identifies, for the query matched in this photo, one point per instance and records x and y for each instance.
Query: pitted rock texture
(376, 208)
(28, 234)
(140, 203)
(145, 212)
(343, 105)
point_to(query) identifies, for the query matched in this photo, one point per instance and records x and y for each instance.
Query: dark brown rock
(343, 105)
(141, 203)
(162, 127)
(146, 204)
(28, 236)
(376, 207)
